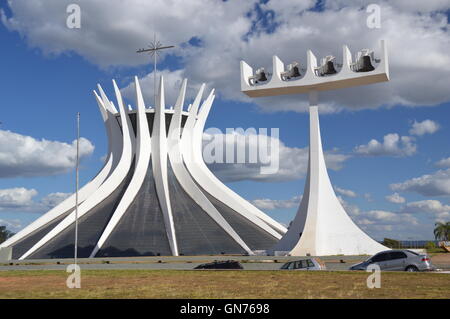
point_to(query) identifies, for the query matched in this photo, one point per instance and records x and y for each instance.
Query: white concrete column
(159, 164)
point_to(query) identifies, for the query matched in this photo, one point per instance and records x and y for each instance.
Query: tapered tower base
(321, 226)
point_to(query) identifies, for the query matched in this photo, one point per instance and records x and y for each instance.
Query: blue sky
(49, 72)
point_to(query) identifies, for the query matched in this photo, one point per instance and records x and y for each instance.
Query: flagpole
(76, 188)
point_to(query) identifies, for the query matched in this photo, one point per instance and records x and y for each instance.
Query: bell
(326, 67)
(365, 64)
(261, 76)
(292, 71)
(329, 68)
(295, 72)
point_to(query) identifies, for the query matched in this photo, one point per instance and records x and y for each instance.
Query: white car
(397, 260)
(304, 264)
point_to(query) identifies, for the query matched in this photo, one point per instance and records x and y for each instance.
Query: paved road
(178, 263)
(170, 262)
(162, 266)
(183, 258)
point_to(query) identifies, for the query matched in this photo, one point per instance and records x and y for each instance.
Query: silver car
(304, 264)
(397, 260)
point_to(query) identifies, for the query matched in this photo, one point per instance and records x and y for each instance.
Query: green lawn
(221, 284)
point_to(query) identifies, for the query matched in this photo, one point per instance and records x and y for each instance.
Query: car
(304, 264)
(226, 264)
(397, 260)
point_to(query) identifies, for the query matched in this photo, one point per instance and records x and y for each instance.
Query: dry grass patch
(221, 284)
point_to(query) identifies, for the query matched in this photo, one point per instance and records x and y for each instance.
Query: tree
(442, 231)
(430, 245)
(4, 234)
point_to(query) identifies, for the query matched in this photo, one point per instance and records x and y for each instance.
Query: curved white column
(108, 103)
(214, 186)
(85, 191)
(116, 131)
(182, 174)
(143, 148)
(159, 165)
(113, 181)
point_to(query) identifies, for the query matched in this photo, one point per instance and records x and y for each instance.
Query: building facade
(154, 195)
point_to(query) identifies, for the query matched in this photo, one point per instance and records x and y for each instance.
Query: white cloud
(403, 5)
(386, 220)
(392, 145)
(229, 31)
(439, 211)
(172, 86)
(292, 162)
(398, 225)
(365, 221)
(22, 155)
(16, 197)
(437, 184)
(112, 30)
(445, 162)
(424, 127)
(21, 199)
(271, 204)
(401, 224)
(427, 206)
(381, 215)
(376, 222)
(345, 192)
(368, 197)
(395, 198)
(380, 222)
(13, 225)
(53, 199)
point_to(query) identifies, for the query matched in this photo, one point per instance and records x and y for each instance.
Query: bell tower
(321, 225)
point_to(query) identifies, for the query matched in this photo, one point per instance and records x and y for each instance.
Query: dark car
(397, 260)
(226, 264)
